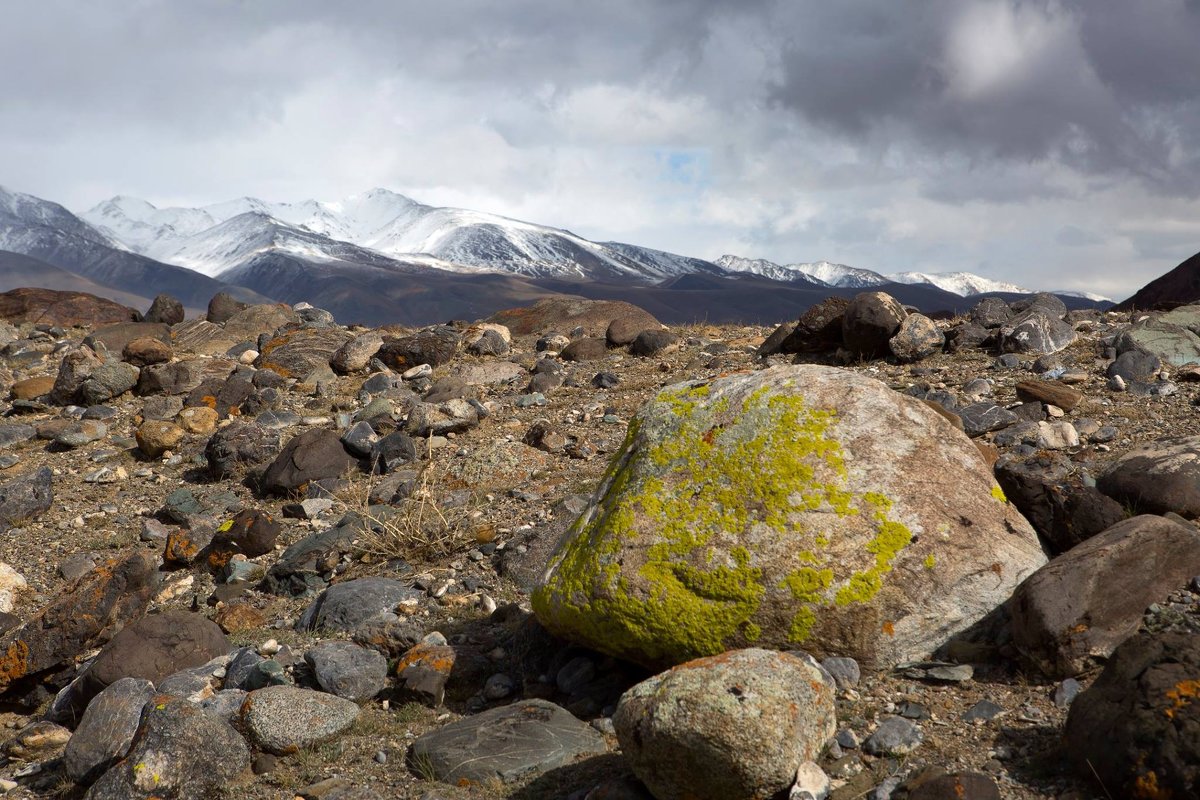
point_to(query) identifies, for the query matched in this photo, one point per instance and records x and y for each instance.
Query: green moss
(701, 486)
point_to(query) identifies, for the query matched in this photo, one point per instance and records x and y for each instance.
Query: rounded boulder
(799, 506)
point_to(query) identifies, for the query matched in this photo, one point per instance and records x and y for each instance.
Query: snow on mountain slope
(380, 221)
(820, 272)
(1095, 298)
(23, 216)
(960, 283)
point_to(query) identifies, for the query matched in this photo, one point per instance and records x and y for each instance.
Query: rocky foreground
(570, 553)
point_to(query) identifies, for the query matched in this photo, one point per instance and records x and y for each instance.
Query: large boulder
(179, 751)
(26, 497)
(1172, 344)
(869, 323)
(568, 313)
(314, 455)
(154, 647)
(69, 309)
(1035, 333)
(106, 729)
(165, 308)
(731, 727)
(300, 352)
(433, 346)
(1157, 477)
(1134, 731)
(799, 505)
(86, 615)
(1084, 603)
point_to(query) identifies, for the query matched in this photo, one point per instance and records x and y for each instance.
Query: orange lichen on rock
(1182, 695)
(14, 664)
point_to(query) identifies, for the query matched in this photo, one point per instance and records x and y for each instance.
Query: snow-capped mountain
(960, 283)
(216, 238)
(822, 273)
(963, 284)
(48, 232)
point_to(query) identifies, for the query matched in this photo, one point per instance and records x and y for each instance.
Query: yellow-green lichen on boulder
(798, 506)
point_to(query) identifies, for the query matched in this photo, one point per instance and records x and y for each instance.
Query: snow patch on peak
(960, 283)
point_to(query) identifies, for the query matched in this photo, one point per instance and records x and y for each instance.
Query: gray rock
(652, 342)
(991, 312)
(737, 725)
(845, 671)
(286, 719)
(895, 736)
(178, 751)
(26, 497)
(919, 337)
(106, 729)
(345, 606)
(1066, 691)
(348, 670)
(108, 381)
(508, 744)
(165, 309)
(306, 566)
(314, 455)
(433, 346)
(981, 418)
(1134, 365)
(225, 705)
(452, 416)
(983, 711)
(356, 354)
(1035, 333)
(359, 439)
(78, 434)
(1172, 344)
(14, 434)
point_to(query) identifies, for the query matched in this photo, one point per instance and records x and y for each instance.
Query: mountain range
(381, 257)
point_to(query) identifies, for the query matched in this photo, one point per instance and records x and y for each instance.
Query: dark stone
(1157, 477)
(26, 497)
(605, 380)
(870, 321)
(165, 309)
(1051, 392)
(508, 743)
(154, 647)
(106, 729)
(180, 752)
(68, 309)
(966, 336)
(981, 418)
(819, 329)
(178, 377)
(1134, 365)
(1042, 303)
(108, 381)
(240, 446)
(75, 368)
(490, 343)
(311, 456)
(85, 615)
(1035, 332)
(360, 439)
(114, 338)
(251, 533)
(233, 396)
(222, 307)
(1084, 603)
(990, 312)
(1134, 731)
(935, 784)
(587, 349)
(433, 346)
(345, 606)
(652, 342)
(300, 352)
(348, 670)
(305, 567)
(393, 451)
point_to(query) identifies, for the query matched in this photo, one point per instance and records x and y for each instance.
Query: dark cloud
(998, 135)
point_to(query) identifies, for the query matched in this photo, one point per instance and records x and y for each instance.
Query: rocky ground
(326, 540)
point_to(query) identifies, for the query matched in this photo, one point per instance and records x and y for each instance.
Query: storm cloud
(1053, 144)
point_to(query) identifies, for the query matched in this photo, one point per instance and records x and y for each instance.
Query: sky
(1052, 143)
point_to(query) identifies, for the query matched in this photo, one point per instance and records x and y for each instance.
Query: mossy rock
(798, 506)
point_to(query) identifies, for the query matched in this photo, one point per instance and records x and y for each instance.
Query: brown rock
(567, 313)
(156, 646)
(146, 350)
(32, 388)
(201, 420)
(84, 616)
(156, 437)
(423, 672)
(297, 353)
(239, 618)
(69, 309)
(114, 338)
(589, 349)
(1084, 603)
(1052, 392)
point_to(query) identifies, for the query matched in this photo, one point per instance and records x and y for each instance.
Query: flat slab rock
(507, 743)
